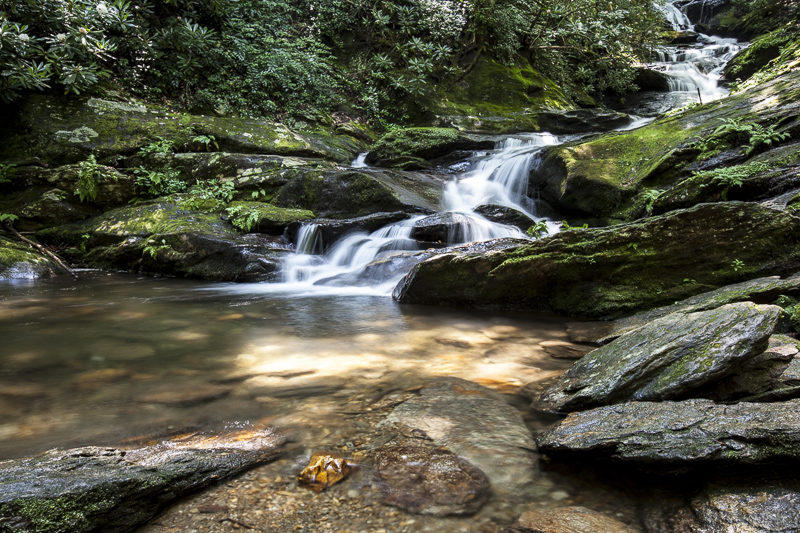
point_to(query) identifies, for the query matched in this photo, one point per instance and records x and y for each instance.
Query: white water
(695, 67)
(319, 268)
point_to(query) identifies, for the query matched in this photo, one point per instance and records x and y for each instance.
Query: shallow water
(111, 356)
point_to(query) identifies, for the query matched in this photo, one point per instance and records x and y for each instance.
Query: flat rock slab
(692, 430)
(430, 481)
(107, 489)
(569, 520)
(665, 359)
(477, 424)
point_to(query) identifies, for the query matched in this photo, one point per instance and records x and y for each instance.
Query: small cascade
(373, 263)
(360, 161)
(692, 68)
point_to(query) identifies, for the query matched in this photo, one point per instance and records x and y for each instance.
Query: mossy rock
(61, 130)
(160, 237)
(604, 176)
(492, 98)
(20, 261)
(264, 218)
(351, 194)
(619, 270)
(764, 49)
(410, 149)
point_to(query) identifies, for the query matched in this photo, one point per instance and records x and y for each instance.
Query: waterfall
(693, 67)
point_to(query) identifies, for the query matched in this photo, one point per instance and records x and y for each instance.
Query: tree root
(51, 255)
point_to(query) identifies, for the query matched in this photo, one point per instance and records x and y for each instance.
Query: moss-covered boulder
(20, 261)
(750, 60)
(412, 148)
(667, 359)
(492, 98)
(60, 130)
(616, 271)
(108, 489)
(164, 238)
(264, 218)
(609, 176)
(351, 193)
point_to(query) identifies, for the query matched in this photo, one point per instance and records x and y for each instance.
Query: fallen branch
(8, 226)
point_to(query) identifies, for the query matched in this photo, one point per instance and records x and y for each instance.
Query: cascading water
(693, 68)
(499, 179)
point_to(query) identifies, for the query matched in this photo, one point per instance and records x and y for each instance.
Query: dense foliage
(272, 57)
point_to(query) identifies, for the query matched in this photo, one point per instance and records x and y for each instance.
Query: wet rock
(331, 230)
(569, 520)
(651, 80)
(683, 37)
(506, 215)
(19, 261)
(616, 271)
(700, 11)
(691, 431)
(412, 148)
(564, 350)
(477, 424)
(759, 509)
(760, 291)
(107, 489)
(430, 481)
(443, 228)
(582, 121)
(666, 359)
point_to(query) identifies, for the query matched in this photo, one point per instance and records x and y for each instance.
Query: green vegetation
(649, 197)
(538, 230)
(243, 217)
(152, 248)
(730, 176)
(274, 57)
(6, 171)
(733, 132)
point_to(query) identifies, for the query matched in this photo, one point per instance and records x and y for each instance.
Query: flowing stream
(114, 356)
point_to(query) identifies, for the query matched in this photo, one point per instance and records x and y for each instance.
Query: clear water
(112, 356)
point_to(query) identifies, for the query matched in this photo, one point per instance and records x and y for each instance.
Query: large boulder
(351, 193)
(666, 359)
(616, 271)
(59, 130)
(606, 176)
(166, 238)
(500, 445)
(412, 148)
(107, 489)
(687, 431)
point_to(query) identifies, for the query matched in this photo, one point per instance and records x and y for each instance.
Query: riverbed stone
(430, 481)
(502, 214)
(477, 424)
(444, 228)
(616, 271)
(696, 430)
(666, 359)
(569, 520)
(108, 489)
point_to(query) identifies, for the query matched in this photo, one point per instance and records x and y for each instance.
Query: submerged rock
(608, 272)
(568, 520)
(107, 489)
(666, 359)
(477, 424)
(444, 228)
(506, 215)
(430, 481)
(687, 431)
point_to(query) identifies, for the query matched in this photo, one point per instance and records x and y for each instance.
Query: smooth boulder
(429, 481)
(681, 432)
(108, 489)
(616, 271)
(666, 359)
(478, 425)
